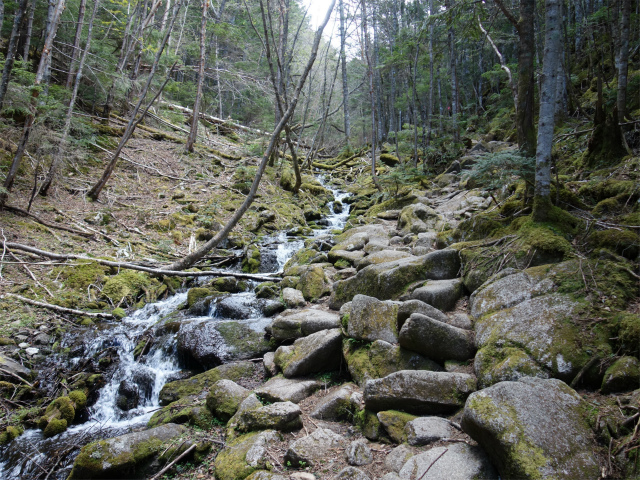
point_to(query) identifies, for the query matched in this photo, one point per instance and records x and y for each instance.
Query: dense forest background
(424, 76)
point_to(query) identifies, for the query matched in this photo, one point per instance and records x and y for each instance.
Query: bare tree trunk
(431, 86)
(11, 52)
(57, 156)
(367, 51)
(552, 48)
(503, 63)
(76, 44)
(345, 83)
(193, 257)
(29, 31)
(454, 75)
(414, 93)
(35, 92)
(623, 60)
(94, 193)
(196, 106)
(1, 12)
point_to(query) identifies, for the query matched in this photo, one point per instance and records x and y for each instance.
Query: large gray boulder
(314, 448)
(293, 298)
(525, 326)
(532, 429)
(356, 238)
(10, 368)
(418, 218)
(206, 343)
(381, 359)
(318, 352)
(441, 294)
(351, 473)
(425, 430)
(134, 455)
(417, 306)
(296, 324)
(283, 416)
(279, 389)
(419, 391)
(453, 462)
(436, 340)
(370, 319)
(388, 280)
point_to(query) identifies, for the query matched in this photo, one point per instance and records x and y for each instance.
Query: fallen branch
(16, 376)
(22, 212)
(140, 268)
(177, 459)
(216, 120)
(57, 308)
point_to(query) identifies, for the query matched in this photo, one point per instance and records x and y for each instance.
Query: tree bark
(367, 52)
(546, 123)
(454, 74)
(11, 51)
(76, 44)
(196, 106)
(57, 157)
(623, 60)
(193, 257)
(29, 31)
(94, 193)
(345, 83)
(35, 92)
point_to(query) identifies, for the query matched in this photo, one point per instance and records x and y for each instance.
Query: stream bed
(31, 456)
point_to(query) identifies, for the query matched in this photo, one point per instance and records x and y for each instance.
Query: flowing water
(31, 456)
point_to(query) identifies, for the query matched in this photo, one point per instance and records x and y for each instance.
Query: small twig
(177, 459)
(33, 277)
(58, 308)
(16, 376)
(432, 463)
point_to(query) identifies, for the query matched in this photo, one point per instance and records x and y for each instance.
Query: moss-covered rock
(244, 455)
(394, 422)
(251, 260)
(128, 285)
(189, 409)
(10, 433)
(623, 375)
(313, 283)
(512, 421)
(368, 423)
(134, 455)
(61, 412)
(628, 327)
(267, 290)
(236, 371)
(288, 179)
(197, 294)
(622, 242)
(225, 397)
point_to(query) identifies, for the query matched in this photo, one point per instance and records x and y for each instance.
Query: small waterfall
(30, 454)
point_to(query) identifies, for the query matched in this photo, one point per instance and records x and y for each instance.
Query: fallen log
(133, 266)
(57, 308)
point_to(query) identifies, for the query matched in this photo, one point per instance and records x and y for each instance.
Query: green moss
(394, 423)
(10, 433)
(368, 423)
(598, 190)
(54, 427)
(231, 462)
(623, 242)
(189, 410)
(78, 398)
(627, 327)
(251, 260)
(197, 294)
(119, 313)
(81, 275)
(127, 285)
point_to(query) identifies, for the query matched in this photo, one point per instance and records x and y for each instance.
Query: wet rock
(351, 473)
(227, 284)
(296, 324)
(272, 307)
(436, 340)
(237, 307)
(293, 298)
(425, 430)
(314, 448)
(622, 376)
(279, 389)
(419, 392)
(134, 455)
(207, 343)
(418, 218)
(370, 319)
(388, 280)
(382, 359)
(61, 413)
(236, 371)
(42, 339)
(394, 423)
(128, 395)
(318, 352)
(225, 397)
(513, 421)
(338, 405)
(190, 409)
(244, 455)
(455, 462)
(397, 457)
(283, 416)
(381, 256)
(441, 294)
